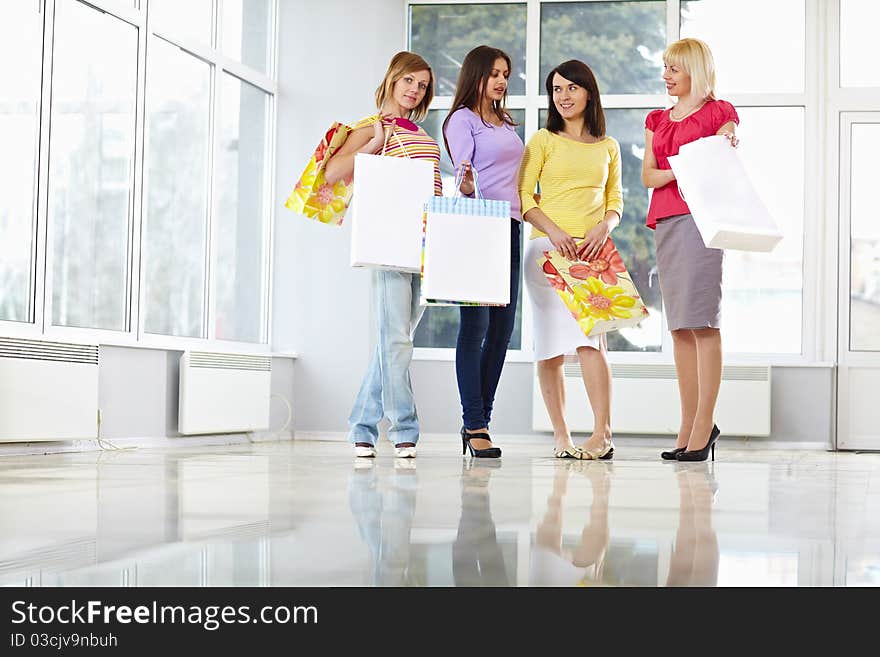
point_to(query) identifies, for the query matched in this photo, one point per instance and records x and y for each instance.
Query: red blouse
(671, 135)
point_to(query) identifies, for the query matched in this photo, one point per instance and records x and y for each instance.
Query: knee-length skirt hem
(556, 332)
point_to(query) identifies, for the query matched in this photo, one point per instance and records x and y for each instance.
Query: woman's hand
(378, 139)
(731, 137)
(563, 242)
(594, 241)
(467, 178)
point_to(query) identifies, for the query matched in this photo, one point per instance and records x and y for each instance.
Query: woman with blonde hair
(402, 97)
(689, 273)
(578, 168)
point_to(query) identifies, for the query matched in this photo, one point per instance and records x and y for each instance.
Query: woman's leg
(501, 324)
(396, 325)
(709, 362)
(367, 411)
(684, 349)
(597, 380)
(468, 349)
(550, 378)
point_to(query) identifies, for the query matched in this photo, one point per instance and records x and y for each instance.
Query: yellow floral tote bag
(599, 293)
(313, 196)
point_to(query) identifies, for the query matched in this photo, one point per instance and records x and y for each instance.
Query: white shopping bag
(387, 207)
(466, 252)
(726, 208)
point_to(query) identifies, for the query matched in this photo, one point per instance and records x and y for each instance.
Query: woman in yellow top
(578, 169)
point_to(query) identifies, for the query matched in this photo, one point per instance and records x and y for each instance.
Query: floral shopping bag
(313, 196)
(599, 293)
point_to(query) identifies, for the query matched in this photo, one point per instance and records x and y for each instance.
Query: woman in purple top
(480, 133)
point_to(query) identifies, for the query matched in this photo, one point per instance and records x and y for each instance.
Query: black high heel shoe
(701, 454)
(670, 455)
(488, 453)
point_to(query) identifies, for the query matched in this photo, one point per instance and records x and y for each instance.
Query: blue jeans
(483, 336)
(386, 390)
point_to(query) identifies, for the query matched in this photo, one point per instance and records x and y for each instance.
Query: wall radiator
(48, 390)
(645, 400)
(224, 393)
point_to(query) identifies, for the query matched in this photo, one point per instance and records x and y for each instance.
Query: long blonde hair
(696, 59)
(402, 63)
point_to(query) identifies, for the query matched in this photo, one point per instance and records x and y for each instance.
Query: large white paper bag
(387, 207)
(725, 205)
(466, 252)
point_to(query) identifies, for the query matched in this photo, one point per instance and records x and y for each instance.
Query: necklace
(687, 114)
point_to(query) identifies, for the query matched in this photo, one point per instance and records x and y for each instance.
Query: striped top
(418, 145)
(579, 182)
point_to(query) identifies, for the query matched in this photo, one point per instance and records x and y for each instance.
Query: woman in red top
(690, 274)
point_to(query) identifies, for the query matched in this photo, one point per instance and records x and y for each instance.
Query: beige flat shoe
(604, 453)
(569, 453)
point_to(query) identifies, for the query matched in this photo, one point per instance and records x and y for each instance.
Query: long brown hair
(579, 73)
(471, 86)
(402, 63)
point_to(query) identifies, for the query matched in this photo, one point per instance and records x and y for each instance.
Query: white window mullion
(673, 20)
(210, 224)
(41, 292)
(268, 227)
(136, 220)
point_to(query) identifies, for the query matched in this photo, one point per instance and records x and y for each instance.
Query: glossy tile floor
(309, 513)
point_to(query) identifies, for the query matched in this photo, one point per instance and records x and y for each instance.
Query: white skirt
(556, 331)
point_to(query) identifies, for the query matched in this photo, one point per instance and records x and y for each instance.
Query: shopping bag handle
(459, 177)
(399, 141)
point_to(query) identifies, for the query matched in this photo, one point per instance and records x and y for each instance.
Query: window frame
(818, 328)
(40, 324)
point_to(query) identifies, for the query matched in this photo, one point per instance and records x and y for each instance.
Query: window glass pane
(91, 160)
(444, 34)
(240, 211)
(633, 239)
(622, 42)
(864, 239)
(21, 41)
(190, 19)
(122, 4)
(776, 66)
(763, 292)
(858, 43)
(247, 31)
(439, 324)
(176, 196)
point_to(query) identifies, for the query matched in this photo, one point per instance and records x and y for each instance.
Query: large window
(136, 169)
(241, 206)
(623, 42)
(175, 233)
(91, 165)
(21, 27)
(858, 43)
(864, 239)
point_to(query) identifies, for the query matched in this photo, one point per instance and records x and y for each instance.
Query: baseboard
(108, 444)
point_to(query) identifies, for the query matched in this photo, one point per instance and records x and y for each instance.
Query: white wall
(332, 55)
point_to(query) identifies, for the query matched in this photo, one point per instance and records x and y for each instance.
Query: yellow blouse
(579, 182)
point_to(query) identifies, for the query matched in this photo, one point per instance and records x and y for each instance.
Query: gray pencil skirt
(690, 274)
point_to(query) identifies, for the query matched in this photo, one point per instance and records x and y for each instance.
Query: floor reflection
(310, 515)
(695, 555)
(477, 558)
(383, 512)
